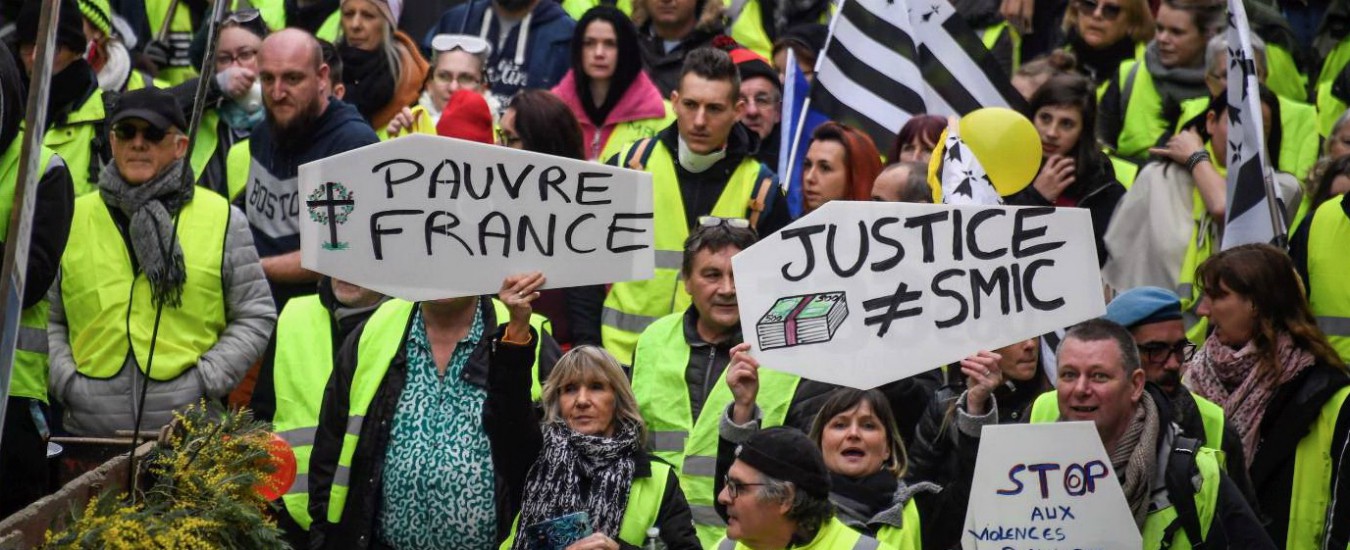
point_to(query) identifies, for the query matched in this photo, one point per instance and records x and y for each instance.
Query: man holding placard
(701, 165)
(1176, 490)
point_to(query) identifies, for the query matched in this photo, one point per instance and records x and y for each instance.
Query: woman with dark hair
(1284, 389)
(1074, 171)
(383, 69)
(536, 120)
(866, 458)
(583, 450)
(916, 139)
(840, 164)
(613, 99)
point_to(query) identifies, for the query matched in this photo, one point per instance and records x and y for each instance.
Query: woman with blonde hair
(586, 455)
(1103, 33)
(382, 67)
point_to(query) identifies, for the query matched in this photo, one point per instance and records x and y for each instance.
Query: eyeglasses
(464, 79)
(1158, 352)
(762, 101)
(470, 44)
(507, 139)
(126, 131)
(1109, 12)
(243, 56)
(714, 221)
(734, 487)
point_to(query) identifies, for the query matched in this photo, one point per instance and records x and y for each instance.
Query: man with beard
(1153, 317)
(23, 449)
(303, 124)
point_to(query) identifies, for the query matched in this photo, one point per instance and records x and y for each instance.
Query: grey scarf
(1174, 84)
(1136, 457)
(151, 207)
(571, 462)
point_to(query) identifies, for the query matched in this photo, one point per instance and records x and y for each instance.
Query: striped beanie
(99, 14)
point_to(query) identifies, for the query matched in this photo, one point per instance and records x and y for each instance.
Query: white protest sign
(426, 217)
(864, 293)
(1046, 487)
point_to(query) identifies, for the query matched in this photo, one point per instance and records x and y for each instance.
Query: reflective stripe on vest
(381, 338)
(1311, 496)
(1206, 499)
(644, 503)
(109, 306)
(1328, 264)
(834, 535)
(29, 378)
(300, 371)
(74, 141)
(633, 305)
(691, 444)
(1330, 107)
(179, 39)
(909, 535)
(237, 163)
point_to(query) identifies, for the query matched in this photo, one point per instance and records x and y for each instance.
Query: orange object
(284, 476)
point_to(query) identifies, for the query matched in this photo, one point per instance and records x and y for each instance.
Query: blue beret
(1144, 305)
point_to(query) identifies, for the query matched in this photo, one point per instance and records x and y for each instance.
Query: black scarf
(581, 473)
(309, 17)
(70, 88)
(369, 79)
(1100, 64)
(863, 498)
(629, 62)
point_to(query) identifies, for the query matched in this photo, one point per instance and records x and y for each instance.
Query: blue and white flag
(963, 178)
(1254, 214)
(799, 121)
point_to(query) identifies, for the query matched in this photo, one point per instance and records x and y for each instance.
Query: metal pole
(15, 265)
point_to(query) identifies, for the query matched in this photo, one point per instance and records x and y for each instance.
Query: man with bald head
(304, 123)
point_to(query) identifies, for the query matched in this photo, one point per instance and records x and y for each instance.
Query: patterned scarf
(1233, 379)
(151, 207)
(571, 463)
(1136, 455)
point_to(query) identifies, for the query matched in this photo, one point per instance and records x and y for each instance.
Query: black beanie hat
(69, 25)
(786, 454)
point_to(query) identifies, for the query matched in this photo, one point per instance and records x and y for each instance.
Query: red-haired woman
(841, 164)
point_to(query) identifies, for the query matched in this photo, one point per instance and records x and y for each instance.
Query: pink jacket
(641, 101)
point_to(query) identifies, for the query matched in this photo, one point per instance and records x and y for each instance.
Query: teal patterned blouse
(438, 478)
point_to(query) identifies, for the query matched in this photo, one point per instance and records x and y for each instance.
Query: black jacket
(512, 424)
(1292, 410)
(357, 526)
(1100, 194)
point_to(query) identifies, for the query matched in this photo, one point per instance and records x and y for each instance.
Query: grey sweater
(95, 407)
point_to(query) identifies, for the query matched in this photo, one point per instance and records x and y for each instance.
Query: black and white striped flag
(1254, 214)
(888, 60)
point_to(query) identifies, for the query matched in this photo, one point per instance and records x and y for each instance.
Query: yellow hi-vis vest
(237, 163)
(676, 436)
(578, 8)
(1299, 142)
(179, 39)
(75, 140)
(1046, 409)
(1311, 496)
(747, 26)
(1283, 76)
(29, 378)
(1330, 107)
(301, 368)
(1142, 106)
(1328, 264)
(1200, 247)
(109, 307)
(1208, 459)
(382, 337)
(633, 305)
(644, 502)
(625, 133)
(207, 141)
(274, 14)
(909, 536)
(990, 35)
(834, 535)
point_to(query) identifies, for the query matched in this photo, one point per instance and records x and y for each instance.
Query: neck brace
(697, 163)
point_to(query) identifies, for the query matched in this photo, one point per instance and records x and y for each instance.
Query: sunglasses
(127, 132)
(714, 221)
(469, 44)
(1108, 12)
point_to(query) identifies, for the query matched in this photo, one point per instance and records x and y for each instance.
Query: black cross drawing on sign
(892, 306)
(331, 204)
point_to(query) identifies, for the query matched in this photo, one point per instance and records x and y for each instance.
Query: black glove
(157, 52)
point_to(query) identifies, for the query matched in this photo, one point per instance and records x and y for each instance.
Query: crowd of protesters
(161, 274)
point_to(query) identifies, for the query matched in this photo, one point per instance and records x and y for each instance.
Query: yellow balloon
(1005, 142)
